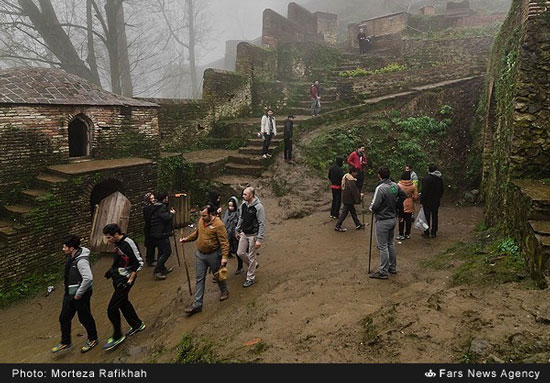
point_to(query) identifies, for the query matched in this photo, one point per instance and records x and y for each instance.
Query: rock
(469, 197)
(480, 347)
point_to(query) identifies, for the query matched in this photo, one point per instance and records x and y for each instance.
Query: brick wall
(67, 209)
(229, 93)
(327, 26)
(302, 18)
(34, 136)
(278, 29)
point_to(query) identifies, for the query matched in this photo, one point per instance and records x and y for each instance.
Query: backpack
(400, 209)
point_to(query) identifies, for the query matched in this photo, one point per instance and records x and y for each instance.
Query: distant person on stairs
(335, 174)
(315, 98)
(268, 131)
(362, 39)
(288, 133)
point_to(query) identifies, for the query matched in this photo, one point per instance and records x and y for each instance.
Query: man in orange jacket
(358, 160)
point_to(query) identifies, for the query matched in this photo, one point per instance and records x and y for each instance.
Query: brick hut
(67, 148)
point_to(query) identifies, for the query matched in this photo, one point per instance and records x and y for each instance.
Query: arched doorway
(79, 136)
(109, 205)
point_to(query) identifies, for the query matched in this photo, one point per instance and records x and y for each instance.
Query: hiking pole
(176, 246)
(185, 263)
(370, 241)
(363, 208)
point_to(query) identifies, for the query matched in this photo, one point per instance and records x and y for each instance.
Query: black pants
(82, 307)
(150, 252)
(405, 223)
(360, 180)
(120, 302)
(288, 149)
(348, 209)
(362, 46)
(336, 202)
(267, 141)
(165, 250)
(432, 212)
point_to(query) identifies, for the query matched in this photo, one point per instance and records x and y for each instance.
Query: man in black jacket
(335, 174)
(288, 133)
(430, 198)
(126, 264)
(162, 229)
(148, 210)
(78, 292)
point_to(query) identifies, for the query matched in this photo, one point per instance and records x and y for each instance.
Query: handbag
(420, 221)
(73, 289)
(221, 274)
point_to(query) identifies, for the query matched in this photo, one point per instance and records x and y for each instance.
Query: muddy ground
(313, 300)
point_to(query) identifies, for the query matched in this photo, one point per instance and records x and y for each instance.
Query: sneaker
(224, 295)
(192, 310)
(433, 235)
(426, 235)
(393, 271)
(264, 156)
(112, 343)
(61, 347)
(333, 217)
(342, 229)
(88, 345)
(360, 226)
(378, 275)
(167, 271)
(248, 283)
(160, 276)
(151, 264)
(407, 236)
(269, 155)
(132, 331)
(400, 237)
(238, 271)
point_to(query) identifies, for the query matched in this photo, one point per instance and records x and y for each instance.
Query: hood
(339, 161)
(213, 196)
(254, 202)
(437, 173)
(235, 202)
(83, 252)
(406, 183)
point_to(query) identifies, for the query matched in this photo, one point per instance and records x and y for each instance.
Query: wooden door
(114, 208)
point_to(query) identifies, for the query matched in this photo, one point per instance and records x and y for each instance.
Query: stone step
(254, 150)
(47, 180)
(258, 142)
(7, 229)
(16, 211)
(247, 159)
(30, 196)
(541, 227)
(245, 170)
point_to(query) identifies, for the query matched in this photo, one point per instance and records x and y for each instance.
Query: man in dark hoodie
(78, 292)
(162, 228)
(335, 174)
(148, 210)
(430, 199)
(288, 133)
(384, 206)
(351, 196)
(126, 264)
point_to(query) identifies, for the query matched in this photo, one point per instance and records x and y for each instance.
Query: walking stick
(370, 242)
(176, 246)
(185, 263)
(363, 208)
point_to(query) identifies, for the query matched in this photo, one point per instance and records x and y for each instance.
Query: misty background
(159, 48)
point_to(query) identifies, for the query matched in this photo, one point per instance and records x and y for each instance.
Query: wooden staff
(185, 263)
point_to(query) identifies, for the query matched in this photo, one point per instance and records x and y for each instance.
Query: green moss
(30, 286)
(360, 72)
(192, 351)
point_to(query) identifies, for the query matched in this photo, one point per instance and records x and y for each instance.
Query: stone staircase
(14, 218)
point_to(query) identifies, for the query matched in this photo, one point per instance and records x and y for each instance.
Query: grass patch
(191, 351)
(31, 286)
(488, 260)
(360, 72)
(259, 348)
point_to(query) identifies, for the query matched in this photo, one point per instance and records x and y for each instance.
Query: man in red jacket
(358, 160)
(315, 99)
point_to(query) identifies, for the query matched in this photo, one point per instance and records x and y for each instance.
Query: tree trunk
(121, 78)
(112, 45)
(192, 39)
(91, 59)
(49, 28)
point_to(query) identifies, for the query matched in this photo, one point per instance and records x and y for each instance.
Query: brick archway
(104, 189)
(80, 135)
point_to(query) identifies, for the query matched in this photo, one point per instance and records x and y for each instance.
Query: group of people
(240, 233)
(391, 201)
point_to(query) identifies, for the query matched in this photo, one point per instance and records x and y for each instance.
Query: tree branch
(174, 35)
(30, 59)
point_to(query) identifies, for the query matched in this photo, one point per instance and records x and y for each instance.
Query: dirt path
(313, 301)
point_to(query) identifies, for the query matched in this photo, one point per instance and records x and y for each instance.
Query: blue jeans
(384, 240)
(315, 107)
